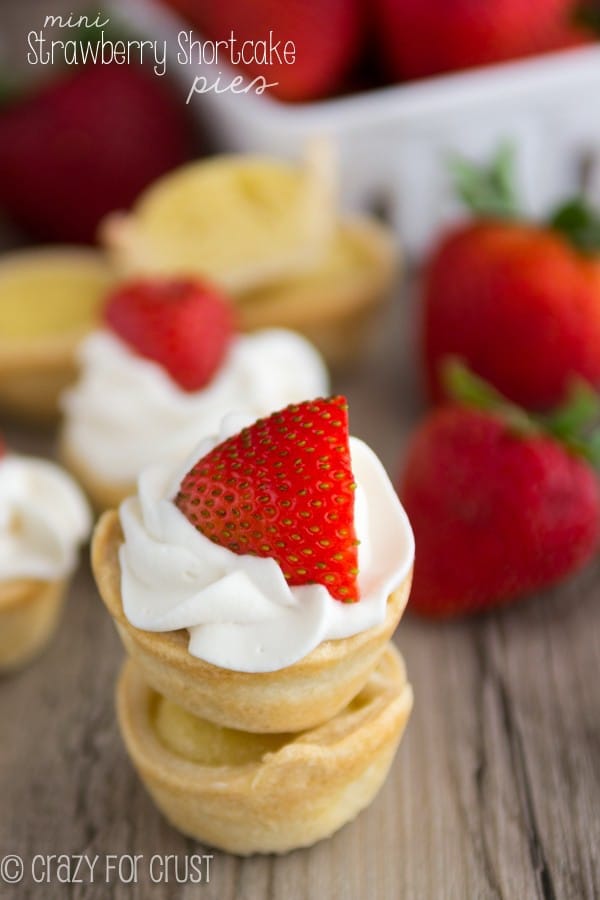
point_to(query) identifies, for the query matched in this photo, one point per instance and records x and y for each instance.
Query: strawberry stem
(468, 389)
(573, 424)
(589, 16)
(488, 190)
(579, 224)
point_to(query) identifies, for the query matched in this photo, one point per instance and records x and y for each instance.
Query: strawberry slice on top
(183, 324)
(283, 488)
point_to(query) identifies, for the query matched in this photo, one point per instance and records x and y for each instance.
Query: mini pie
(29, 613)
(297, 697)
(43, 519)
(335, 302)
(265, 793)
(238, 220)
(49, 298)
(127, 411)
(255, 589)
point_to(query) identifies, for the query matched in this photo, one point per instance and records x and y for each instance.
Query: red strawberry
(566, 37)
(518, 301)
(283, 488)
(326, 35)
(498, 510)
(184, 325)
(425, 37)
(86, 145)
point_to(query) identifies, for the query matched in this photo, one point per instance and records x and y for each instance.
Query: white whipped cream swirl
(240, 612)
(127, 412)
(43, 519)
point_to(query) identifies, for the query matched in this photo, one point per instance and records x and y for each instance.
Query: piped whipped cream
(240, 612)
(127, 412)
(43, 519)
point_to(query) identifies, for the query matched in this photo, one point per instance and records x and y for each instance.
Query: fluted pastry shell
(33, 377)
(334, 304)
(304, 791)
(297, 697)
(29, 613)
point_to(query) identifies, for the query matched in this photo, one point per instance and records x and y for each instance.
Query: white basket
(394, 142)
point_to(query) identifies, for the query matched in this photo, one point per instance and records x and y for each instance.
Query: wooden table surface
(495, 792)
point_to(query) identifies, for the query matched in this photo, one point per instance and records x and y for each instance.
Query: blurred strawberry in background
(567, 37)
(327, 35)
(400, 39)
(519, 301)
(85, 145)
(419, 38)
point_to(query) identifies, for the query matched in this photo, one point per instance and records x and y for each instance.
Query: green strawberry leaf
(468, 389)
(593, 448)
(587, 447)
(580, 409)
(488, 191)
(579, 224)
(573, 424)
(588, 16)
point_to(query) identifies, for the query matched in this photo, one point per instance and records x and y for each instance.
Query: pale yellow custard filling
(350, 256)
(199, 741)
(50, 292)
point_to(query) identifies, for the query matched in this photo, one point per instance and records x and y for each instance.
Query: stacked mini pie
(255, 589)
(255, 577)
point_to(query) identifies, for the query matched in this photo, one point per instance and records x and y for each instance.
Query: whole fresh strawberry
(326, 36)
(420, 38)
(519, 301)
(501, 504)
(184, 325)
(86, 145)
(283, 488)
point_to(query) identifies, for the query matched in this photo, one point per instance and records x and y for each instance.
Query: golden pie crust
(29, 613)
(34, 374)
(302, 792)
(295, 698)
(336, 312)
(35, 368)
